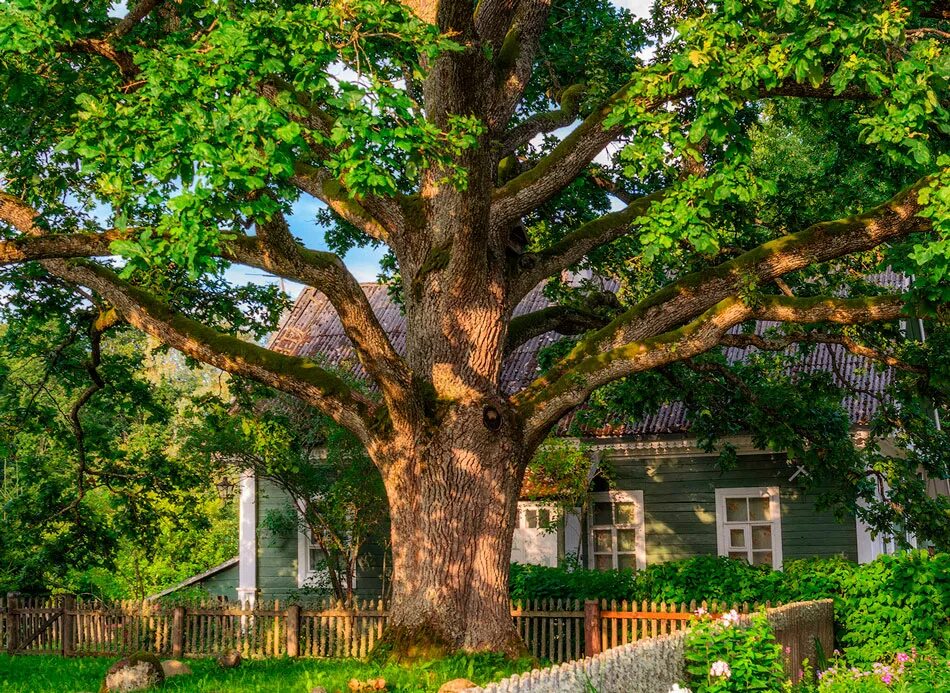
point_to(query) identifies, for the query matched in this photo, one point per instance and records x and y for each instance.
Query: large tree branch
(274, 249)
(298, 376)
(543, 123)
(365, 213)
(694, 293)
(493, 19)
(515, 60)
(586, 368)
(558, 168)
(782, 342)
(565, 320)
(564, 163)
(535, 267)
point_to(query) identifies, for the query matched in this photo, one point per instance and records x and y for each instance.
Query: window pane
(626, 540)
(762, 537)
(741, 555)
(627, 560)
(603, 542)
(761, 558)
(544, 517)
(603, 562)
(759, 509)
(736, 510)
(602, 514)
(626, 513)
(737, 538)
(531, 518)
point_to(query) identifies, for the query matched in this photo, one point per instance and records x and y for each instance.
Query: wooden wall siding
(553, 630)
(277, 556)
(680, 506)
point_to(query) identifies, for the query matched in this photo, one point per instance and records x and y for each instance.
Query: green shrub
(570, 582)
(817, 578)
(896, 602)
(713, 578)
(722, 657)
(702, 577)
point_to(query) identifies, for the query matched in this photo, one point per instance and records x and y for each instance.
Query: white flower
(720, 669)
(678, 689)
(701, 611)
(731, 619)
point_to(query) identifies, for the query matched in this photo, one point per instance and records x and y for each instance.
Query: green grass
(39, 674)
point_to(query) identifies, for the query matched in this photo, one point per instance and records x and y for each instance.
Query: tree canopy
(723, 163)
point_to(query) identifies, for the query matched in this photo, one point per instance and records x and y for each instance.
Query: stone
(172, 667)
(229, 660)
(319, 689)
(137, 672)
(456, 685)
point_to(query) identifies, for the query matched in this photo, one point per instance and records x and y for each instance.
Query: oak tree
(489, 146)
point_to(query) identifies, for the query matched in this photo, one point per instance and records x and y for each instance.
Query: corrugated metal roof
(313, 329)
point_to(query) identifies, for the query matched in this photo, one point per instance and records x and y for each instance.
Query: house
(668, 500)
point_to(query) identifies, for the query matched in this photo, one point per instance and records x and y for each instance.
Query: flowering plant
(725, 655)
(906, 671)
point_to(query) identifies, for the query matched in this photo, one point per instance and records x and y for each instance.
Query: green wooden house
(667, 499)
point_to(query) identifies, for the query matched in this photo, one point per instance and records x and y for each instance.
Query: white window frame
(305, 571)
(618, 496)
(524, 507)
(773, 493)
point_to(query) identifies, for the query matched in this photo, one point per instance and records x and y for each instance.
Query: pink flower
(731, 619)
(903, 657)
(886, 679)
(788, 650)
(701, 611)
(719, 669)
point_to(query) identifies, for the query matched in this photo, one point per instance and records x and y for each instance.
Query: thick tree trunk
(453, 503)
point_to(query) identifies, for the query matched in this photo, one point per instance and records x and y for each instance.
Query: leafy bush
(722, 657)
(896, 602)
(699, 578)
(712, 578)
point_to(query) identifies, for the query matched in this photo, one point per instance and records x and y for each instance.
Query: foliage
(905, 672)
(699, 578)
(43, 674)
(96, 498)
(723, 656)
(894, 602)
(334, 493)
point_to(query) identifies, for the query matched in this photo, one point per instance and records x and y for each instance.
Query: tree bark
(453, 505)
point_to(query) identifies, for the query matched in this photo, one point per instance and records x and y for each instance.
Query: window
(312, 570)
(616, 530)
(533, 516)
(750, 524)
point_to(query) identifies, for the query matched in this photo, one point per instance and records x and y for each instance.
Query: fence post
(13, 624)
(178, 632)
(292, 627)
(68, 621)
(591, 628)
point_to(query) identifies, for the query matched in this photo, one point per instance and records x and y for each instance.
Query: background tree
(179, 135)
(96, 497)
(336, 494)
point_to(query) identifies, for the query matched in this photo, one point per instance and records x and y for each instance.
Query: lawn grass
(41, 674)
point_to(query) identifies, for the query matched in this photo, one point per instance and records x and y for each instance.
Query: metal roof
(313, 329)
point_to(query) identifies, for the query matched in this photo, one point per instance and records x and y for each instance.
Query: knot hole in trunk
(491, 418)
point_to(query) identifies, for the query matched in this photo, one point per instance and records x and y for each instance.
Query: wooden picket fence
(554, 630)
